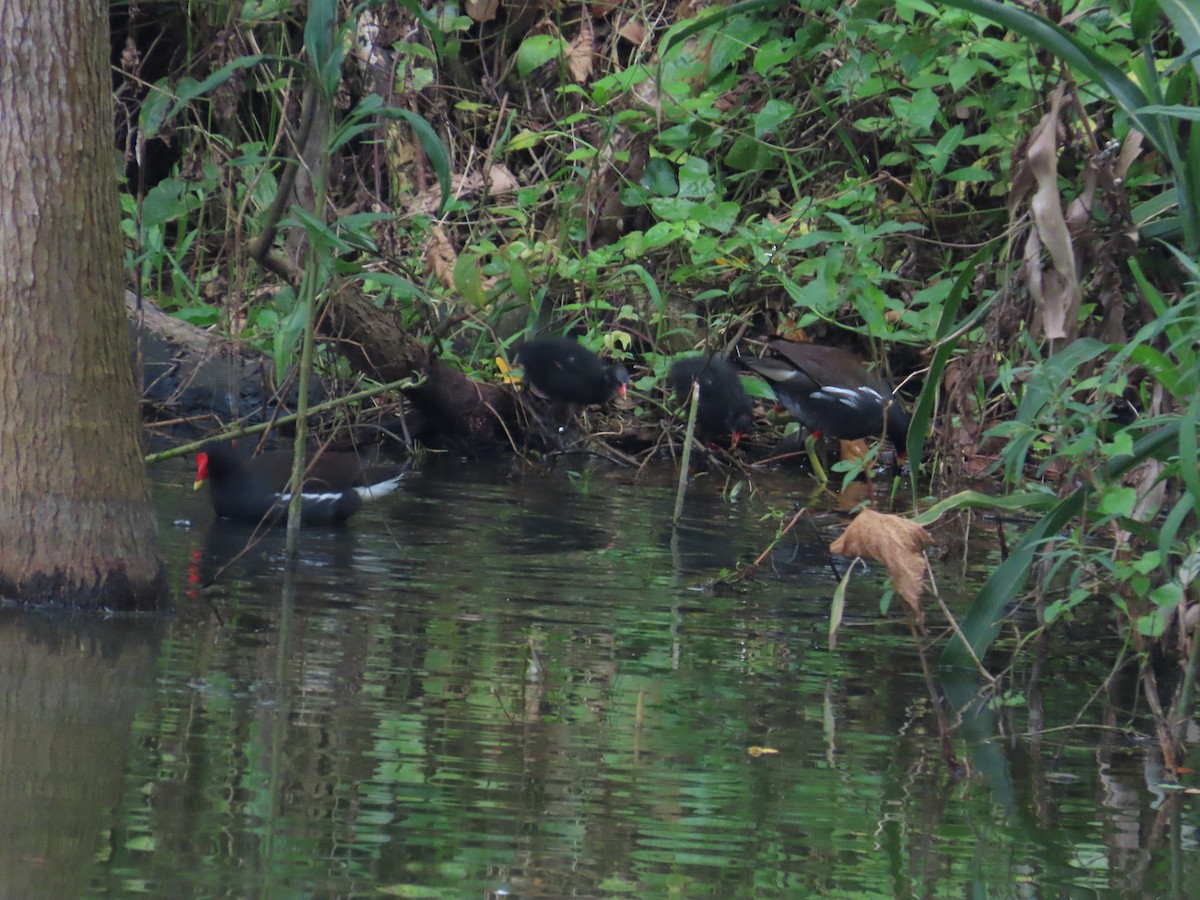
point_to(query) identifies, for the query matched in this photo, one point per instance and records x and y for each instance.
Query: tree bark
(76, 523)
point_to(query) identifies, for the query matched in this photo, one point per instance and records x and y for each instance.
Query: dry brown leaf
(481, 10)
(1056, 289)
(1130, 150)
(466, 187)
(579, 53)
(501, 180)
(440, 256)
(633, 30)
(856, 449)
(897, 543)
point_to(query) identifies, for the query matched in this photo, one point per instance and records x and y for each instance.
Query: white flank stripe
(312, 498)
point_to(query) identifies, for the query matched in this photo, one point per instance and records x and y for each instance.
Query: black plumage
(725, 408)
(831, 392)
(563, 370)
(252, 490)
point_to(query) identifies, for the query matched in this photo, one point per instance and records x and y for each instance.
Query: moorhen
(831, 392)
(724, 407)
(253, 490)
(563, 370)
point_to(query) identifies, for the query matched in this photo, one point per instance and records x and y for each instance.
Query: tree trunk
(76, 524)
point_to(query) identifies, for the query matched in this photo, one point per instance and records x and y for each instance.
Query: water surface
(509, 681)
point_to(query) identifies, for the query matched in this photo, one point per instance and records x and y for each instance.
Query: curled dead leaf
(481, 10)
(501, 180)
(579, 53)
(632, 30)
(440, 257)
(1056, 288)
(897, 543)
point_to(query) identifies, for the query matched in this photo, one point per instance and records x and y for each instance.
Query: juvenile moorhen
(253, 490)
(724, 407)
(831, 392)
(563, 370)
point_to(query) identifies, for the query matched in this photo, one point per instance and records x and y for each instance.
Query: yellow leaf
(506, 375)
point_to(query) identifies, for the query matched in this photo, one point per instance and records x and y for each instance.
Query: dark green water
(497, 684)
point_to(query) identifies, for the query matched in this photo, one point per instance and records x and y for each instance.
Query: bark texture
(76, 523)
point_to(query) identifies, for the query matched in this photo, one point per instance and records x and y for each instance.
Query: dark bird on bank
(832, 393)
(563, 370)
(725, 408)
(250, 490)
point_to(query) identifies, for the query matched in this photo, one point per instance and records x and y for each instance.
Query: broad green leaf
(318, 30)
(537, 50)
(468, 281)
(1185, 16)
(435, 150)
(1167, 596)
(1118, 501)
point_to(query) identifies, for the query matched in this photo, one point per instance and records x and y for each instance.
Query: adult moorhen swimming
(563, 370)
(831, 392)
(725, 408)
(251, 490)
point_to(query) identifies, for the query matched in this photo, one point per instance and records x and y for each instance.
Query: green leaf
(695, 179)
(287, 335)
(468, 281)
(1188, 470)
(1152, 625)
(838, 607)
(1143, 17)
(970, 174)
(773, 114)
(962, 72)
(717, 216)
(1118, 501)
(435, 150)
(648, 282)
(747, 154)
(524, 140)
(165, 203)
(318, 32)
(1167, 596)
(1023, 501)
(1175, 111)
(659, 178)
(319, 232)
(1185, 16)
(773, 53)
(537, 50)
(154, 108)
